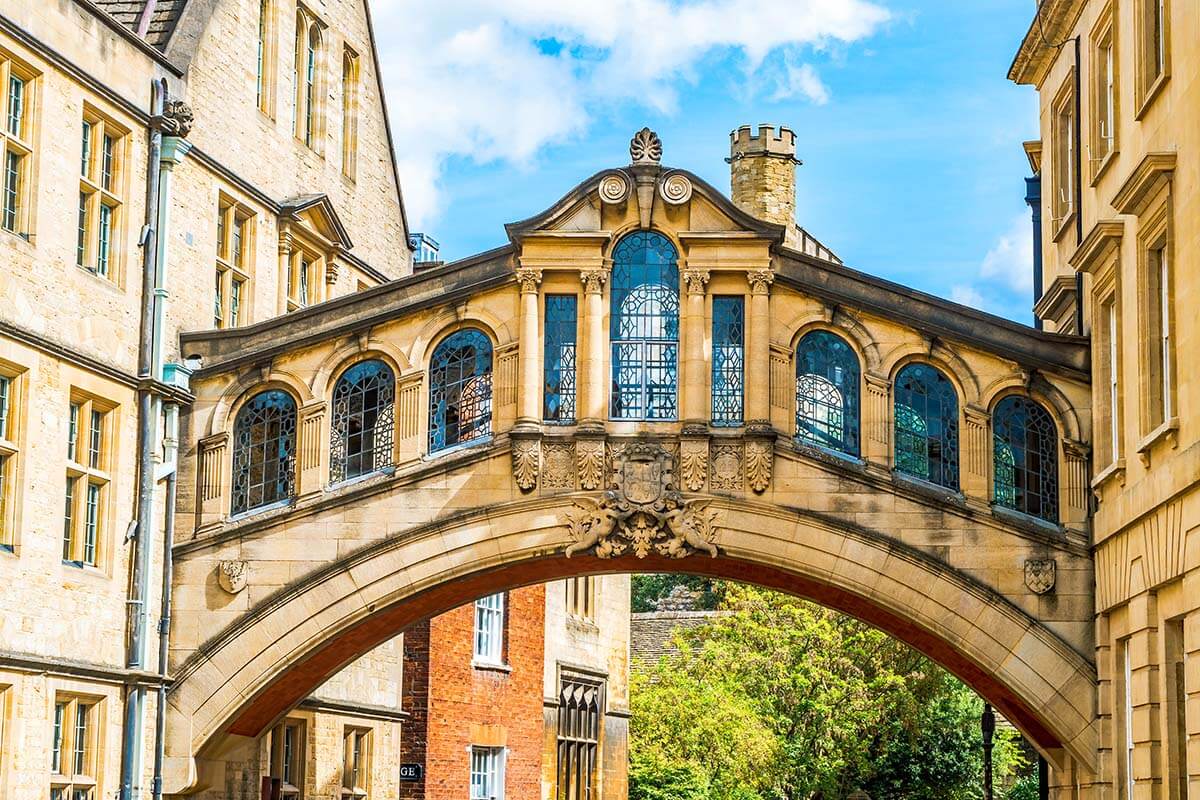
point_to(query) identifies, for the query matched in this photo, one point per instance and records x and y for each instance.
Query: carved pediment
(315, 213)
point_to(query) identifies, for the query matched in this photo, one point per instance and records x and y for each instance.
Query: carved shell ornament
(614, 188)
(675, 189)
(645, 147)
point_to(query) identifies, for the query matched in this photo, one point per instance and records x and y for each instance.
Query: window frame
(11, 434)
(1051, 470)
(102, 181)
(351, 69)
(581, 593)
(495, 762)
(1105, 95)
(290, 464)
(489, 630)
(1063, 157)
(1151, 77)
(949, 438)
(89, 476)
(851, 439)
(64, 741)
(352, 789)
(234, 266)
(308, 75)
(383, 428)
(305, 279)
(267, 58)
(560, 359)
(18, 145)
(728, 332)
(277, 762)
(576, 733)
(480, 428)
(1156, 322)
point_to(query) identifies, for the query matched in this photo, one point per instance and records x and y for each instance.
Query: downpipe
(171, 448)
(148, 410)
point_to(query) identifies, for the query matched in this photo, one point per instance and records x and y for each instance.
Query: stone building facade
(1119, 91)
(167, 166)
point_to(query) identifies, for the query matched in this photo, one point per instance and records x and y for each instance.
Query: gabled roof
(152, 20)
(327, 217)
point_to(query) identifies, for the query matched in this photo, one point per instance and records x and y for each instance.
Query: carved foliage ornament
(529, 279)
(760, 455)
(526, 458)
(642, 516)
(693, 464)
(1040, 575)
(645, 147)
(589, 463)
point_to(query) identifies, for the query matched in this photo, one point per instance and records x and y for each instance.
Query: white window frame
(82, 763)
(487, 766)
(489, 629)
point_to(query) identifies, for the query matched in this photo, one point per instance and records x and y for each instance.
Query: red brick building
(473, 687)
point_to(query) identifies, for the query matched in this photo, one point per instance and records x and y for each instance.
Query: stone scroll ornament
(642, 515)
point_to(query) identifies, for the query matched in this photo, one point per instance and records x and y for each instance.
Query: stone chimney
(762, 175)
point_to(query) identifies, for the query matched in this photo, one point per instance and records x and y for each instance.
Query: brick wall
(466, 705)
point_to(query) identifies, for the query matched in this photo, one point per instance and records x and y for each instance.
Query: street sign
(410, 772)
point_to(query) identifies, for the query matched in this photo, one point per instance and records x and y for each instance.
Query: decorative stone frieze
(725, 470)
(760, 458)
(693, 463)
(526, 461)
(589, 462)
(558, 465)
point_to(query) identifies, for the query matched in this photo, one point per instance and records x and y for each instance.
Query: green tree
(649, 588)
(778, 699)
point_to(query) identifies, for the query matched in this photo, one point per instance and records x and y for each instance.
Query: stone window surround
(21, 144)
(11, 436)
(93, 751)
(1104, 37)
(269, 56)
(1062, 158)
(91, 186)
(307, 22)
(230, 211)
(356, 736)
(81, 475)
(1149, 82)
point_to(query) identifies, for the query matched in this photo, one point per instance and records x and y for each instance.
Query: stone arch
(450, 321)
(254, 670)
(341, 359)
(966, 383)
(246, 386)
(845, 325)
(1041, 390)
(633, 226)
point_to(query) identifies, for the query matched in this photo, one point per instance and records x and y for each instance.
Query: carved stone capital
(332, 270)
(593, 280)
(696, 280)
(529, 279)
(760, 281)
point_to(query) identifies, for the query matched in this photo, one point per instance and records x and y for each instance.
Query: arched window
(927, 425)
(645, 327)
(264, 451)
(1025, 442)
(827, 379)
(460, 390)
(306, 79)
(264, 10)
(363, 421)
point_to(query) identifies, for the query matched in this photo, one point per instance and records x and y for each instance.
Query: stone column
(311, 448)
(758, 348)
(595, 394)
(528, 381)
(877, 423)
(693, 381)
(213, 499)
(285, 259)
(975, 446)
(1144, 689)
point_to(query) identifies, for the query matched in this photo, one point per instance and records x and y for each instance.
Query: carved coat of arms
(1040, 575)
(642, 515)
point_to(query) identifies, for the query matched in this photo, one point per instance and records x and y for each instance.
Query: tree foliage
(649, 588)
(778, 699)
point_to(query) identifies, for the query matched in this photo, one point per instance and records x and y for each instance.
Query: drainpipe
(1033, 198)
(171, 454)
(147, 429)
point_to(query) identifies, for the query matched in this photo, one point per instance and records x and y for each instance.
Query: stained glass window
(645, 328)
(264, 451)
(558, 396)
(460, 390)
(927, 425)
(827, 381)
(363, 421)
(728, 360)
(1025, 442)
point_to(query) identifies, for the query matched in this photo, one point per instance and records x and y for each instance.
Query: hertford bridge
(646, 378)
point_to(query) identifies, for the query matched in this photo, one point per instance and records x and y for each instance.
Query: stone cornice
(1102, 239)
(1153, 173)
(1056, 299)
(1051, 25)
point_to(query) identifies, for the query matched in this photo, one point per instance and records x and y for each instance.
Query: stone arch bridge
(495, 460)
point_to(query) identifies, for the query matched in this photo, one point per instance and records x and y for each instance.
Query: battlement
(768, 141)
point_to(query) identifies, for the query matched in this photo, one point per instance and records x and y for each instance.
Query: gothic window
(827, 380)
(460, 390)
(265, 67)
(645, 328)
(558, 396)
(927, 425)
(362, 430)
(264, 451)
(579, 713)
(307, 79)
(1025, 443)
(728, 360)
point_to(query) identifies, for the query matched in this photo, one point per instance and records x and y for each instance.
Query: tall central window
(460, 390)
(728, 360)
(558, 395)
(645, 328)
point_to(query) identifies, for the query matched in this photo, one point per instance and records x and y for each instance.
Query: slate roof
(651, 634)
(163, 16)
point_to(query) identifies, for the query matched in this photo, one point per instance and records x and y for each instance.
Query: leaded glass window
(926, 422)
(827, 393)
(363, 421)
(1025, 442)
(558, 396)
(580, 712)
(728, 360)
(645, 328)
(264, 451)
(460, 390)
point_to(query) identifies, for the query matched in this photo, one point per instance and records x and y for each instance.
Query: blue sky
(909, 131)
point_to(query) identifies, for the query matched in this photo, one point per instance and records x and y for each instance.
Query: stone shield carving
(232, 576)
(1040, 575)
(642, 515)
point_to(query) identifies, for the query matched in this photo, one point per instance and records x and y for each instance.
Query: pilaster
(311, 450)
(695, 378)
(594, 394)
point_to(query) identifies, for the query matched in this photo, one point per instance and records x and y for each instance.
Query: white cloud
(1010, 260)
(500, 79)
(967, 296)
